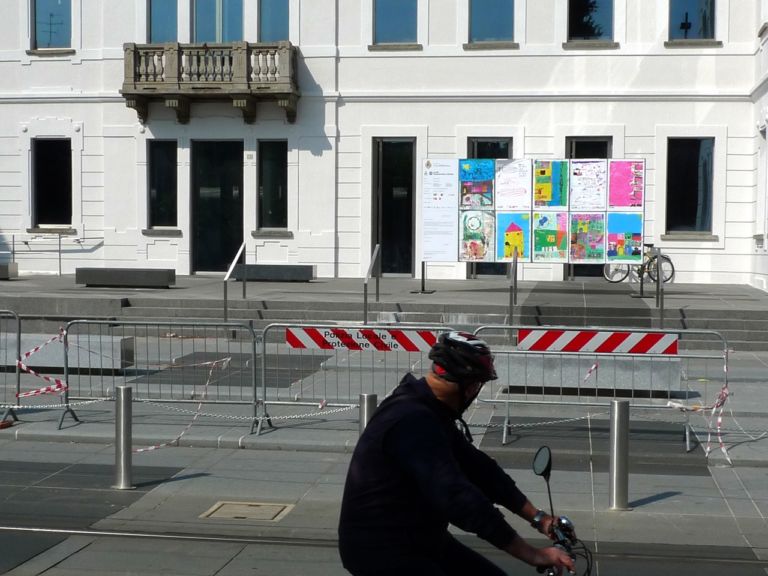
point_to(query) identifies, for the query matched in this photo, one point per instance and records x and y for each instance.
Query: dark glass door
(217, 204)
(588, 147)
(393, 179)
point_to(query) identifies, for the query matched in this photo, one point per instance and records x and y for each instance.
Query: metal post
(59, 254)
(618, 479)
(368, 405)
(225, 300)
(13, 248)
(365, 303)
(245, 276)
(123, 433)
(659, 289)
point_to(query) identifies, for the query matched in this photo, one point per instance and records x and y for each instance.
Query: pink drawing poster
(626, 184)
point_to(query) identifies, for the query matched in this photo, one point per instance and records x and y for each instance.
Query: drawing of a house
(513, 238)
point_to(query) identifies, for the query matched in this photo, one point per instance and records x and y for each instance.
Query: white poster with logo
(440, 205)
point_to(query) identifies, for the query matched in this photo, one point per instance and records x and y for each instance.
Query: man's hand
(553, 556)
(546, 526)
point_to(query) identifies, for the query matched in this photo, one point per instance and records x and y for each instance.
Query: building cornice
(350, 96)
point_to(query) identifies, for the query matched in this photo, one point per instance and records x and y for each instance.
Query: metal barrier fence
(10, 353)
(331, 365)
(591, 366)
(163, 361)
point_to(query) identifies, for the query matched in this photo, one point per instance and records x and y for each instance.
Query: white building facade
(165, 133)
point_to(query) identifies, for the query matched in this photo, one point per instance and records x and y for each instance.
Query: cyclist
(414, 472)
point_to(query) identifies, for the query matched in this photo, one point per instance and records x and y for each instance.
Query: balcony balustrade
(240, 72)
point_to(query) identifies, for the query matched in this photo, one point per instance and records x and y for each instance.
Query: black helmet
(464, 357)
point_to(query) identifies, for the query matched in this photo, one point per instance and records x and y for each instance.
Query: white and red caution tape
(597, 341)
(56, 384)
(379, 339)
(220, 364)
(592, 369)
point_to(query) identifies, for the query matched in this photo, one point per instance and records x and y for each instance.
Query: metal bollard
(123, 439)
(368, 405)
(618, 479)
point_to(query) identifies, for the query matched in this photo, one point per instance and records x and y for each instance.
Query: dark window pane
(590, 19)
(395, 21)
(691, 19)
(218, 20)
(162, 21)
(162, 183)
(53, 23)
(232, 20)
(488, 148)
(491, 20)
(689, 184)
(273, 20)
(52, 182)
(273, 184)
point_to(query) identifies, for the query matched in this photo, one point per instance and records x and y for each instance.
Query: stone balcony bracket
(240, 72)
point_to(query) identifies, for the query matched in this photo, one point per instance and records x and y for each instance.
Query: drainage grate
(248, 511)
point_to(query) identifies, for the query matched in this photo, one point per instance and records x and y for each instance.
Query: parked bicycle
(618, 271)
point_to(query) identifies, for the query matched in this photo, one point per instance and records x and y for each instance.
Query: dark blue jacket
(412, 473)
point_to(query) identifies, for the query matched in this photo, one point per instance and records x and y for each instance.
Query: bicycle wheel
(614, 272)
(667, 268)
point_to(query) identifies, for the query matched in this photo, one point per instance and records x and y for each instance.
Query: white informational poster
(589, 184)
(514, 184)
(440, 206)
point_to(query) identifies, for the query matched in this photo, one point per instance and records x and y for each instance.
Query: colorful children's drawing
(476, 177)
(476, 241)
(550, 236)
(625, 237)
(513, 230)
(550, 184)
(514, 184)
(587, 238)
(626, 188)
(589, 183)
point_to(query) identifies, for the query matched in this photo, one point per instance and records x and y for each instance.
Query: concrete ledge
(276, 272)
(9, 270)
(126, 277)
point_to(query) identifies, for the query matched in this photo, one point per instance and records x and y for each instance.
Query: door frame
(193, 198)
(368, 133)
(377, 199)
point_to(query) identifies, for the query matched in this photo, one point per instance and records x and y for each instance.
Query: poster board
(580, 211)
(476, 180)
(513, 230)
(514, 184)
(626, 185)
(587, 234)
(440, 203)
(588, 185)
(550, 237)
(476, 238)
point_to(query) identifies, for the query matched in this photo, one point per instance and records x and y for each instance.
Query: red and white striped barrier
(57, 385)
(596, 341)
(379, 339)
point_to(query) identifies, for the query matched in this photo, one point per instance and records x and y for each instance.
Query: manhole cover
(248, 511)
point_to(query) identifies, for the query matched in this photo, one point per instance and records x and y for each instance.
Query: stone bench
(9, 270)
(126, 277)
(275, 272)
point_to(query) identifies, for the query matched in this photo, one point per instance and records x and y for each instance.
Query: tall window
(590, 20)
(163, 21)
(273, 184)
(491, 20)
(689, 184)
(218, 21)
(395, 21)
(51, 182)
(273, 20)
(692, 19)
(162, 183)
(52, 23)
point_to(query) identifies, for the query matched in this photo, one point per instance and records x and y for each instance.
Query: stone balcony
(239, 72)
